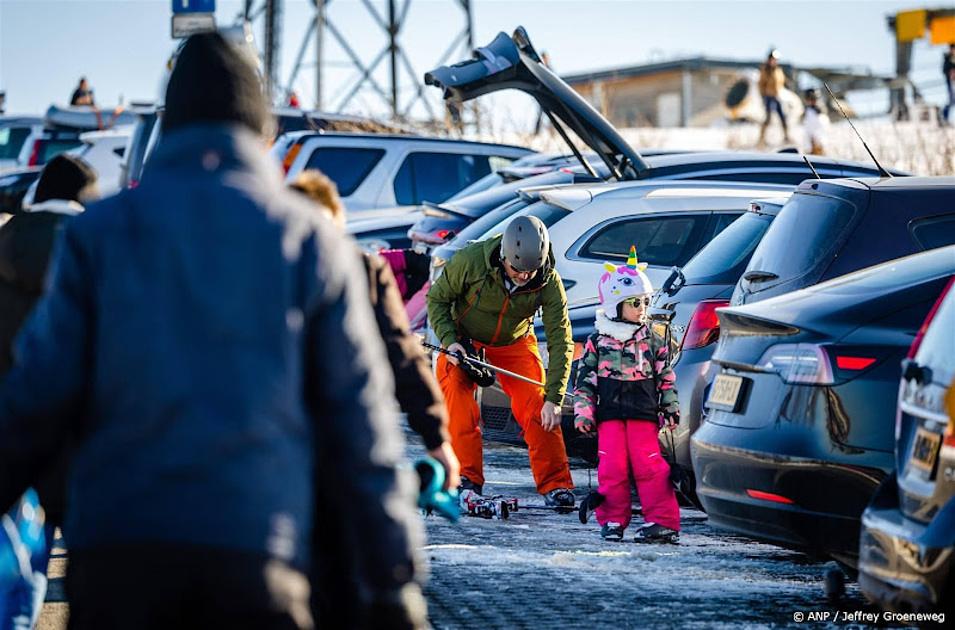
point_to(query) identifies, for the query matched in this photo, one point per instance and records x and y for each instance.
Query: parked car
(668, 222)
(387, 171)
(135, 154)
(16, 139)
(800, 425)
(440, 222)
(907, 543)
(103, 150)
(829, 228)
(687, 303)
(399, 227)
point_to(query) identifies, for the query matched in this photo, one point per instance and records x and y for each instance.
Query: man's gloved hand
(483, 376)
(550, 416)
(455, 348)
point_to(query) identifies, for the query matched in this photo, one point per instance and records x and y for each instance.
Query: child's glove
(584, 425)
(668, 421)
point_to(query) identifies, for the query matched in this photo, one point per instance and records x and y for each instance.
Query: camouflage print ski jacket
(624, 374)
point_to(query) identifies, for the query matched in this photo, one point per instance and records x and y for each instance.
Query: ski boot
(653, 533)
(473, 503)
(589, 503)
(611, 531)
(561, 499)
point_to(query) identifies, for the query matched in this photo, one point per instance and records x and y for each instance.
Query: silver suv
(384, 171)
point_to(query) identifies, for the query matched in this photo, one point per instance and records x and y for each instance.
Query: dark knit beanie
(65, 177)
(213, 82)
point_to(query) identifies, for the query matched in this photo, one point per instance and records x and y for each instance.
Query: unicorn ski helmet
(620, 283)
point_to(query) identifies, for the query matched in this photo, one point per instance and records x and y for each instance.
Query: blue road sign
(193, 6)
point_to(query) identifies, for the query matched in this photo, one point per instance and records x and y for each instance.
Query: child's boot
(653, 533)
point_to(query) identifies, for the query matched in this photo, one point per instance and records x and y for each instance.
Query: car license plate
(725, 392)
(926, 448)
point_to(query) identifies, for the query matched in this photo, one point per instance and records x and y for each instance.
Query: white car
(17, 134)
(668, 221)
(103, 150)
(386, 171)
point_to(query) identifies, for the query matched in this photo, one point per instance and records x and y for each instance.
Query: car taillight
(443, 234)
(133, 183)
(914, 348)
(802, 363)
(704, 327)
(290, 156)
(769, 496)
(853, 363)
(35, 153)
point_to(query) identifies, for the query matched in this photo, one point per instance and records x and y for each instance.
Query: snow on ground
(539, 569)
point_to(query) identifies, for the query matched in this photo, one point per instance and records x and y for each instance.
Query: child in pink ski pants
(625, 391)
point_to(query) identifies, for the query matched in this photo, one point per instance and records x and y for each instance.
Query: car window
(721, 260)
(548, 214)
(498, 162)
(932, 232)
(723, 220)
(51, 148)
(436, 176)
(936, 350)
(11, 141)
(480, 227)
(665, 241)
(803, 236)
(346, 166)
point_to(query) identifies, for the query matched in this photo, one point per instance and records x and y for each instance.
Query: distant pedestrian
(204, 341)
(83, 94)
(948, 71)
(417, 391)
(625, 391)
(3, 102)
(293, 100)
(815, 122)
(772, 81)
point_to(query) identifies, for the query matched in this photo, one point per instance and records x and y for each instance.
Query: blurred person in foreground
(202, 338)
(26, 241)
(417, 391)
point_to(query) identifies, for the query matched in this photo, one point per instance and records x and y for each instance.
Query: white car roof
(121, 131)
(574, 197)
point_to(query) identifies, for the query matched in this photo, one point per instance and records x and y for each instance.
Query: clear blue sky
(122, 45)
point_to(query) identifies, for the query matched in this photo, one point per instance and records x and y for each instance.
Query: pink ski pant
(625, 445)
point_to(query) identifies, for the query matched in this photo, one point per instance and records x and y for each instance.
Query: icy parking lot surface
(539, 569)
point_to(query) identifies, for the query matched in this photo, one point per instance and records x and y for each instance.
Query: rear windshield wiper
(759, 276)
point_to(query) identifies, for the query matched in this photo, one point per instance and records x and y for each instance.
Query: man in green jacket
(487, 296)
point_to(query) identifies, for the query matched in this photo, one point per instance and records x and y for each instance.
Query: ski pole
(482, 364)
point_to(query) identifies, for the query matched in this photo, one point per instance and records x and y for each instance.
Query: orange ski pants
(546, 450)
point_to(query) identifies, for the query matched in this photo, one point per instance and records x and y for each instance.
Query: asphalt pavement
(539, 569)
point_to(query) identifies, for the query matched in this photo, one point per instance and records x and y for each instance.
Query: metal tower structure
(321, 28)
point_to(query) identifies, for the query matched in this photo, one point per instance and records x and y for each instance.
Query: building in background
(703, 91)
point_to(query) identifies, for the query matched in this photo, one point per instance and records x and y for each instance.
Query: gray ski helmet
(525, 244)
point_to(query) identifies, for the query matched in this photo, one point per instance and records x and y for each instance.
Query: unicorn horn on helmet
(632, 260)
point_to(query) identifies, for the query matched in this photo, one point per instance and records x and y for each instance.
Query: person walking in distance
(486, 299)
(772, 81)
